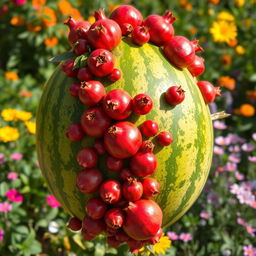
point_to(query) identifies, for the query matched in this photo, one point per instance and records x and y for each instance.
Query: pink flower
(52, 201)
(2, 158)
(12, 175)
(37, 164)
(239, 176)
(230, 167)
(1, 235)
(254, 136)
(218, 150)
(19, 2)
(185, 237)
(241, 221)
(235, 189)
(205, 215)
(173, 236)
(221, 141)
(245, 197)
(16, 156)
(253, 204)
(14, 196)
(252, 159)
(248, 147)
(249, 250)
(250, 230)
(234, 149)
(233, 138)
(234, 158)
(219, 125)
(5, 207)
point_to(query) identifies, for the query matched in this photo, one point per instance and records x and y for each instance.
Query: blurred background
(222, 221)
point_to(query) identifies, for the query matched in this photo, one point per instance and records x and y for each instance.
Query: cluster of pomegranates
(122, 208)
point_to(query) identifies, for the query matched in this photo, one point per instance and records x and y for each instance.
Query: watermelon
(183, 167)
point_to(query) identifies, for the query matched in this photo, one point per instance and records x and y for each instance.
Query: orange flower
(65, 7)
(17, 21)
(251, 95)
(226, 60)
(51, 41)
(227, 82)
(11, 76)
(38, 3)
(247, 110)
(32, 28)
(48, 16)
(214, 1)
(75, 13)
(26, 94)
(112, 7)
(232, 43)
(192, 31)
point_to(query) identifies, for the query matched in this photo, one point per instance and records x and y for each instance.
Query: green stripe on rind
(182, 167)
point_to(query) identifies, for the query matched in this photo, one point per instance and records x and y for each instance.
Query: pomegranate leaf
(80, 61)
(62, 56)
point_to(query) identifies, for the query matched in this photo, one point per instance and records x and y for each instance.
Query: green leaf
(62, 56)
(22, 229)
(99, 250)
(80, 61)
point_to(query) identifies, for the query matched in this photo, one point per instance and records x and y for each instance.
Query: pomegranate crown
(169, 17)
(100, 14)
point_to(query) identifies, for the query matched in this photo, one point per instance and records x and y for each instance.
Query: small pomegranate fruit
(160, 27)
(196, 68)
(84, 74)
(115, 75)
(75, 26)
(150, 187)
(95, 208)
(179, 51)
(95, 122)
(101, 62)
(134, 245)
(122, 203)
(114, 218)
(126, 29)
(114, 164)
(132, 189)
(74, 224)
(121, 236)
(155, 239)
(91, 92)
(104, 33)
(74, 89)
(127, 15)
(81, 47)
(67, 68)
(89, 180)
(110, 191)
(147, 146)
(175, 95)
(208, 91)
(142, 104)
(122, 140)
(87, 157)
(99, 146)
(143, 164)
(86, 236)
(111, 241)
(126, 174)
(149, 128)
(143, 219)
(93, 227)
(118, 104)
(140, 35)
(75, 132)
(164, 138)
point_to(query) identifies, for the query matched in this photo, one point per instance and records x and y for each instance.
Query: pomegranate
(126, 29)
(93, 227)
(147, 146)
(89, 180)
(81, 47)
(114, 164)
(132, 189)
(175, 95)
(143, 164)
(196, 68)
(114, 218)
(143, 219)
(126, 174)
(94, 122)
(150, 187)
(164, 138)
(118, 104)
(111, 241)
(140, 35)
(86, 236)
(121, 236)
(104, 33)
(74, 89)
(87, 157)
(134, 245)
(155, 239)
(142, 104)
(84, 74)
(149, 128)
(74, 224)
(122, 140)
(110, 191)
(101, 62)
(160, 27)
(115, 75)
(99, 146)
(95, 208)
(208, 91)
(75, 132)
(91, 92)
(67, 68)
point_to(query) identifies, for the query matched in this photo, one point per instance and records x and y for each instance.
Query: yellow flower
(240, 3)
(51, 41)
(31, 126)
(91, 19)
(17, 21)
(223, 31)
(248, 23)
(23, 115)
(9, 114)
(225, 16)
(8, 134)
(240, 50)
(11, 76)
(158, 248)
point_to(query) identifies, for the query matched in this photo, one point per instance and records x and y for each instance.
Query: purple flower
(241, 221)
(234, 158)
(254, 136)
(5, 207)
(2, 158)
(218, 150)
(205, 215)
(219, 125)
(252, 159)
(248, 147)
(222, 141)
(249, 250)
(234, 139)
(231, 167)
(212, 198)
(234, 149)
(173, 236)
(1, 235)
(12, 175)
(185, 237)
(239, 176)
(16, 156)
